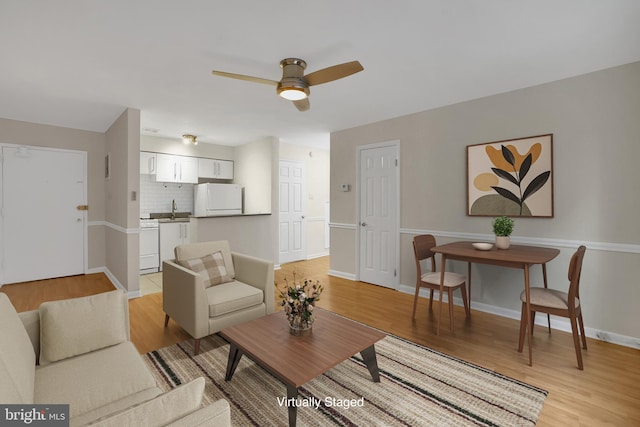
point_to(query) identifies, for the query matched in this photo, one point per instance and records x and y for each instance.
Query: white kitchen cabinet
(171, 168)
(147, 163)
(173, 234)
(215, 168)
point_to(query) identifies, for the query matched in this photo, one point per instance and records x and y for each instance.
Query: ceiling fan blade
(335, 72)
(243, 77)
(302, 104)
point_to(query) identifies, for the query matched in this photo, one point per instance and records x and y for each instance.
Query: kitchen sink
(171, 217)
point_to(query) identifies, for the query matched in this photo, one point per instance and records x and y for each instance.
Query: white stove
(149, 246)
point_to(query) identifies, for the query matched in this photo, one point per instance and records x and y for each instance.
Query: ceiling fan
(294, 85)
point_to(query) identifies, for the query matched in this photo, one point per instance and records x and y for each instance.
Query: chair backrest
(575, 269)
(422, 245)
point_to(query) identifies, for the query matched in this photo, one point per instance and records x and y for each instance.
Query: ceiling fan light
(189, 139)
(292, 94)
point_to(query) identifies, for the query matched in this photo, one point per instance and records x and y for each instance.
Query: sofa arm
(256, 272)
(184, 298)
(218, 414)
(31, 322)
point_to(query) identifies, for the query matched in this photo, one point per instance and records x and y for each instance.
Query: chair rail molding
(559, 243)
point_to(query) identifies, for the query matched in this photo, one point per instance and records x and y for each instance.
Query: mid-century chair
(431, 280)
(565, 304)
(203, 304)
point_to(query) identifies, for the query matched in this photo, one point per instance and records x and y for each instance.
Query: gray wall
(595, 123)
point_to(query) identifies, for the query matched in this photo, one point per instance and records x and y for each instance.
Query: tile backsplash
(157, 196)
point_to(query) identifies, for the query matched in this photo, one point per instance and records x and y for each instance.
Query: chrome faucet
(174, 208)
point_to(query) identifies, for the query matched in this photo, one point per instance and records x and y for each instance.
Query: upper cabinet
(147, 163)
(214, 168)
(172, 168)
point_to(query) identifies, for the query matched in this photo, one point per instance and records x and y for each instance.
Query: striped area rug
(418, 387)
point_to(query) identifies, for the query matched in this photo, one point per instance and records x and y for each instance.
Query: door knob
(364, 224)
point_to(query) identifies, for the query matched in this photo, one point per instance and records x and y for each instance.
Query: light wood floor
(607, 392)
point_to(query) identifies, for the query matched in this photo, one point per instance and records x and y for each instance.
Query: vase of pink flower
(298, 300)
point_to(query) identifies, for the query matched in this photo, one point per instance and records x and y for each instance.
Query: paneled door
(43, 221)
(378, 215)
(293, 239)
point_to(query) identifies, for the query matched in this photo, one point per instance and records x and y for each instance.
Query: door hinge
(395, 272)
(396, 162)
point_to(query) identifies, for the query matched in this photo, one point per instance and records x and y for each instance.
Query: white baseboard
(318, 255)
(342, 275)
(558, 323)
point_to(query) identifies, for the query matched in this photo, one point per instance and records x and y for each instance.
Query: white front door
(378, 213)
(293, 240)
(43, 231)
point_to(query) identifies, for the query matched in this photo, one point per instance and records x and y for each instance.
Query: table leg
(369, 357)
(544, 277)
(232, 362)
(528, 309)
(292, 407)
(442, 271)
(469, 285)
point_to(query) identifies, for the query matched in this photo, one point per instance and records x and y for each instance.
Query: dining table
(516, 256)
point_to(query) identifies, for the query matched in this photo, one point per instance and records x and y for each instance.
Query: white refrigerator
(217, 199)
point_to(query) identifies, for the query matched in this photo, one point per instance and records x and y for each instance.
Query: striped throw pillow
(211, 267)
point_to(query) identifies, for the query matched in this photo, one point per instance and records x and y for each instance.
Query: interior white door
(293, 240)
(43, 231)
(378, 224)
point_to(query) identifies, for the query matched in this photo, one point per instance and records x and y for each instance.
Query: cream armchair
(204, 310)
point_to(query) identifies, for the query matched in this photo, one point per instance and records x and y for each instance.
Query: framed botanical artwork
(511, 178)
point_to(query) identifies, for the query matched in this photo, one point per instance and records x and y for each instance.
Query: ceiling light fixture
(293, 89)
(189, 139)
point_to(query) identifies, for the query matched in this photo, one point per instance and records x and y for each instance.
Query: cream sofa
(77, 352)
(203, 310)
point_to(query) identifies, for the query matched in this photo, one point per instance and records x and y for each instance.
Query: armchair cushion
(211, 267)
(232, 296)
(80, 325)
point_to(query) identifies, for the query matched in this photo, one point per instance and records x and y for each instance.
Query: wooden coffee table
(297, 359)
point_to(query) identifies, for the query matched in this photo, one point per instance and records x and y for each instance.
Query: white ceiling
(79, 63)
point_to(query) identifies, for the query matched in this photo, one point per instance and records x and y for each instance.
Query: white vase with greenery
(502, 228)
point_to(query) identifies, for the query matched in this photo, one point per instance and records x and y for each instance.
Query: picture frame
(513, 177)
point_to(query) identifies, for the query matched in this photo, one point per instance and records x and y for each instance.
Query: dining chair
(558, 303)
(422, 245)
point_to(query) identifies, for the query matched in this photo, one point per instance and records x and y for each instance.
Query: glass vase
(300, 327)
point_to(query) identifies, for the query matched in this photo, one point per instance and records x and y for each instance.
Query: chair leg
(415, 301)
(533, 321)
(523, 328)
(196, 346)
(584, 337)
(431, 300)
(451, 321)
(576, 341)
(166, 320)
(467, 309)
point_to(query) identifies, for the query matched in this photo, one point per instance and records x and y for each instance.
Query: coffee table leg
(369, 357)
(292, 394)
(232, 363)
